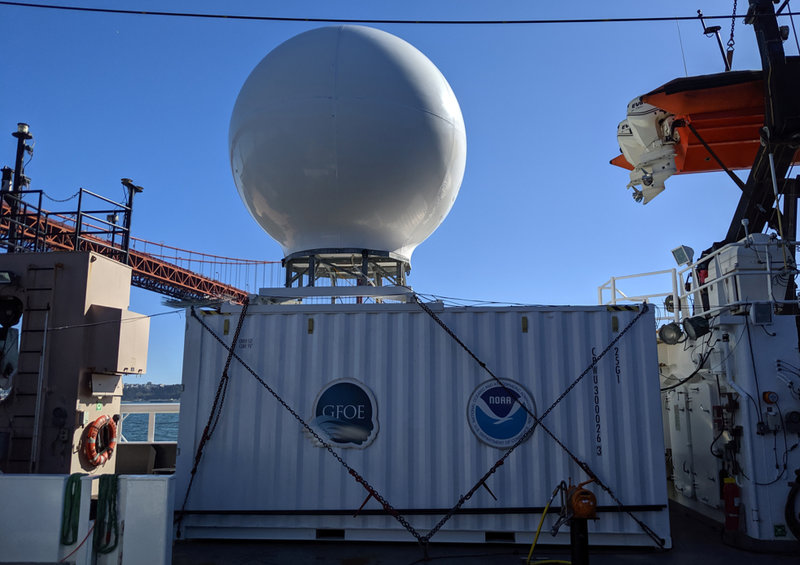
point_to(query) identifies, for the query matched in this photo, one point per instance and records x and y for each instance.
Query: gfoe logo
(496, 414)
(345, 414)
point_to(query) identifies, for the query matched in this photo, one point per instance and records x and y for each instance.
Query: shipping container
(409, 409)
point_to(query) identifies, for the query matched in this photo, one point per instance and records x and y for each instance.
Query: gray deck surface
(694, 541)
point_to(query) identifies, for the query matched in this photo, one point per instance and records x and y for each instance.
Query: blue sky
(541, 218)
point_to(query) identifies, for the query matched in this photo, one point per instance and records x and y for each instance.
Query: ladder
(30, 383)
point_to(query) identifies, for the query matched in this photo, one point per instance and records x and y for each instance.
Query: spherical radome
(347, 137)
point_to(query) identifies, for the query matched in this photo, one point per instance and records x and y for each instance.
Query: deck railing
(151, 409)
(687, 299)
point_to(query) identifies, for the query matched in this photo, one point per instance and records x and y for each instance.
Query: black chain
(360, 479)
(216, 411)
(731, 42)
(538, 423)
(61, 199)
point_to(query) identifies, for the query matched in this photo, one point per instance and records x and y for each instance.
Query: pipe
(777, 209)
(676, 299)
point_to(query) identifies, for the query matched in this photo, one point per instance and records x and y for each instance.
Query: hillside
(150, 392)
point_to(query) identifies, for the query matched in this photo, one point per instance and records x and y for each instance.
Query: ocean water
(134, 427)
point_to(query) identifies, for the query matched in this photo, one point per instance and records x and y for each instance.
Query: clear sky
(541, 218)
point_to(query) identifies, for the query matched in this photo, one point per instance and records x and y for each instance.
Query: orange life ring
(90, 441)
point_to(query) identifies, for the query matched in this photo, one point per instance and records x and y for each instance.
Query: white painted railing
(151, 409)
(619, 296)
(683, 299)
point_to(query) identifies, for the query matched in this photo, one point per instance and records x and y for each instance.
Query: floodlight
(11, 309)
(669, 303)
(696, 327)
(683, 254)
(760, 313)
(670, 333)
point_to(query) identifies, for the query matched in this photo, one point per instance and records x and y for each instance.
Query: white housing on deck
(420, 448)
(347, 138)
(731, 389)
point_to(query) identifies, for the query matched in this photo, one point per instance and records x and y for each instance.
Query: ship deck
(695, 540)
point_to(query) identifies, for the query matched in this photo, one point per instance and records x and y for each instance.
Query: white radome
(347, 138)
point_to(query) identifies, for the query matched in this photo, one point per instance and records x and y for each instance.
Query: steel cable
(364, 20)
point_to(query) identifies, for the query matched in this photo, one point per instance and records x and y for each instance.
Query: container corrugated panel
(263, 476)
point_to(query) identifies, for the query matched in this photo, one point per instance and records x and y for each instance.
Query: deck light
(683, 254)
(11, 309)
(696, 327)
(670, 333)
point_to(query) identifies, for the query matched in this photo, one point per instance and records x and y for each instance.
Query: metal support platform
(362, 267)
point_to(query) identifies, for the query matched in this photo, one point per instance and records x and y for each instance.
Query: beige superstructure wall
(77, 339)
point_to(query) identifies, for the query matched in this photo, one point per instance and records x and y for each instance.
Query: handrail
(170, 270)
(227, 259)
(611, 285)
(681, 298)
(90, 193)
(151, 409)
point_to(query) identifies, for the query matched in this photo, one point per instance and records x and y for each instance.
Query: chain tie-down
(216, 410)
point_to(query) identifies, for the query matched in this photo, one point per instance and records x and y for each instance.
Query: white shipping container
(263, 476)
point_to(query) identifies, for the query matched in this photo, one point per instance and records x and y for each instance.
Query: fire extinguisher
(731, 495)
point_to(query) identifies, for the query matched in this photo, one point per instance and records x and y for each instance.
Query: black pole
(364, 267)
(715, 30)
(579, 541)
(312, 271)
(113, 218)
(722, 50)
(22, 134)
(126, 234)
(7, 183)
(8, 175)
(78, 221)
(791, 193)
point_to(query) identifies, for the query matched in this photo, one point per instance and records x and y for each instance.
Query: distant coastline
(150, 392)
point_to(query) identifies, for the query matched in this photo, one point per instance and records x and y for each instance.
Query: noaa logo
(345, 414)
(496, 414)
